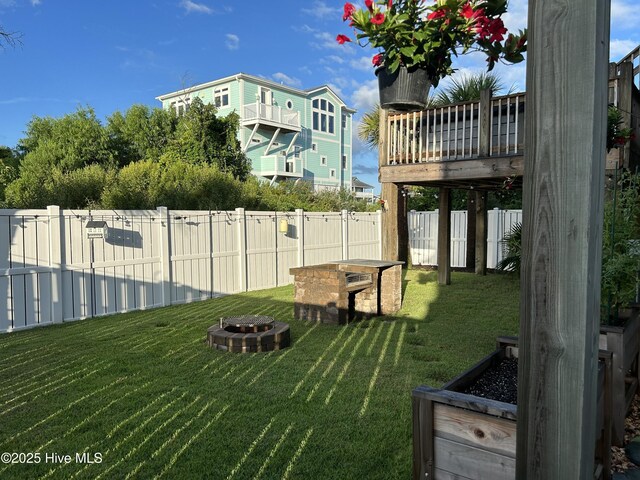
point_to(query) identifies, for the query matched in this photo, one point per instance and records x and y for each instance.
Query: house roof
(359, 183)
(260, 80)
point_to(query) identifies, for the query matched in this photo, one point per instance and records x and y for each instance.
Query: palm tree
(465, 88)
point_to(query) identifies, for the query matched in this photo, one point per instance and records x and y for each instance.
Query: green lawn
(143, 391)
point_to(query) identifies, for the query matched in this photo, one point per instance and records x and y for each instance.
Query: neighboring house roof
(259, 80)
(355, 183)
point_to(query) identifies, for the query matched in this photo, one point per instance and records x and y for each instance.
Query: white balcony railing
(271, 113)
(452, 132)
(281, 166)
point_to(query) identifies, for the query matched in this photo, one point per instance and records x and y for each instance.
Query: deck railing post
(484, 123)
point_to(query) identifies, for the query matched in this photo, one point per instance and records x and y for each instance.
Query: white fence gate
(51, 272)
(423, 236)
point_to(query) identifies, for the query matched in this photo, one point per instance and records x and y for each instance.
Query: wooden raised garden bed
(462, 436)
(624, 343)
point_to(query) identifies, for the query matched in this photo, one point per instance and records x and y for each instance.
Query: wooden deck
(480, 144)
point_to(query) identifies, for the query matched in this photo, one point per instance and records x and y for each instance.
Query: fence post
(345, 234)
(379, 220)
(165, 254)
(55, 262)
(300, 221)
(242, 247)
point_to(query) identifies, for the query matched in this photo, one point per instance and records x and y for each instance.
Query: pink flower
(369, 4)
(442, 12)
(378, 19)
(377, 60)
(341, 39)
(390, 4)
(349, 9)
(467, 10)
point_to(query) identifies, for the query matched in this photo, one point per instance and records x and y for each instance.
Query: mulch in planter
(500, 382)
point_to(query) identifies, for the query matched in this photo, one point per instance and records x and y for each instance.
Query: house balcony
(273, 166)
(261, 114)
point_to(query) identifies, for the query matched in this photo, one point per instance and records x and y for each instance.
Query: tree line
(144, 158)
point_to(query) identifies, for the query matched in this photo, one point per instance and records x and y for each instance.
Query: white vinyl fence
(423, 236)
(50, 271)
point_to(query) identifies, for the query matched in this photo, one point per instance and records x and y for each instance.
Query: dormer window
(221, 97)
(323, 116)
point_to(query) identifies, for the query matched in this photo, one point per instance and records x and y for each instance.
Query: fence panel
(207, 254)
(423, 236)
(323, 237)
(225, 253)
(360, 242)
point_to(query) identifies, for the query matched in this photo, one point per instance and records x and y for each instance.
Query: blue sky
(111, 55)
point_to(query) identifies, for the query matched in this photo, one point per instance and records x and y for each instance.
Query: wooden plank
(615, 344)
(454, 170)
(471, 462)
(439, 474)
(567, 56)
(493, 434)
(422, 438)
(477, 404)
(484, 135)
(444, 237)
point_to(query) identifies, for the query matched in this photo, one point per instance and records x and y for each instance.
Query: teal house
(288, 134)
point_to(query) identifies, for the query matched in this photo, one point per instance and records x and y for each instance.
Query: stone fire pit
(347, 290)
(248, 333)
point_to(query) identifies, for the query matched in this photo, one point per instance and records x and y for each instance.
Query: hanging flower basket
(405, 90)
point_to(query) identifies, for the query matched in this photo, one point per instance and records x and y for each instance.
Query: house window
(314, 147)
(289, 104)
(344, 120)
(181, 106)
(332, 173)
(296, 151)
(266, 96)
(323, 161)
(221, 97)
(344, 161)
(323, 116)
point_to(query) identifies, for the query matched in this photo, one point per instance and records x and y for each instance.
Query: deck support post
(480, 236)
(566, 123)
(471, 230)
(395, 237)
(444, 237)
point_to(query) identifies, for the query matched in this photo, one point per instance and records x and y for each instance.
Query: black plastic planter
(404, 90)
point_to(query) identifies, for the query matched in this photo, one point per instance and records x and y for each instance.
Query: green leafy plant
(512, 247)
(416, 35)
(621, 246)
(617, 134)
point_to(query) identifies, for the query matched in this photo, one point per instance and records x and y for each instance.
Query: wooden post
(242, 248)
(484, 129)
(394, 223)
(444, 237)
(300, 222)
(481, 233)
(471, 230)
(562, 234)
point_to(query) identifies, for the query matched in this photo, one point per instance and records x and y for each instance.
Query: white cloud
(516, 17)
(321, 10)
(286, 79)
(365, 96)
(232, 41)
(193, 7)
(363, 63)
(306, 70)
(620, 48)
(35, 3)
(624, 14)
(333, 59)
(337, 90)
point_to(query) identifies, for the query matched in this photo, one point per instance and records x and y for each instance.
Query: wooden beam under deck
(491, 170)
